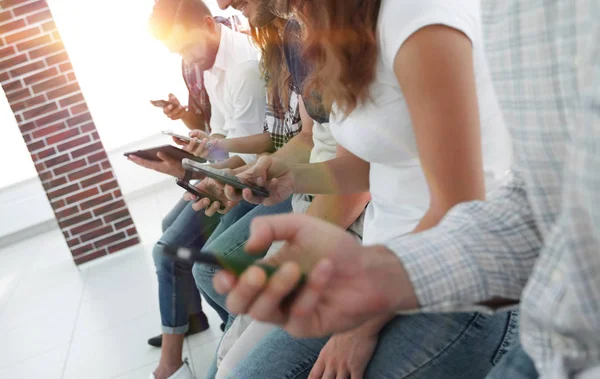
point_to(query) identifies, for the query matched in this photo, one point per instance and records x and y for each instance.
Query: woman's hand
(345, 355)
(166, 165)
(269, 172)
(215, 189)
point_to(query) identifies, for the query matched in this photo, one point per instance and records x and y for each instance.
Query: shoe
(198, 323)
(184, 372)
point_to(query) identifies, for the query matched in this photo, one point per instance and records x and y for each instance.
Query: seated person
(413, 104)
(186, 230)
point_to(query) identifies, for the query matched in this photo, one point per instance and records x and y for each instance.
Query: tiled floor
(58, 321)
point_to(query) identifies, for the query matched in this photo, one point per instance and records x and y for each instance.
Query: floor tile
(115, 351)
(47, 333)
(48, 365)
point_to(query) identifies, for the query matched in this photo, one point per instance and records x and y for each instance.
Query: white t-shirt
(236, 89)
(381, 131)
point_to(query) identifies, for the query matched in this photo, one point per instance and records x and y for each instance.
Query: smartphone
(178, 136)
(191, 189)
(161, 103)
(170, 150)
(223, 177)
(235, 264)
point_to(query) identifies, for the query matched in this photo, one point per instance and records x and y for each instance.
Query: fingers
(261, 169)
(199, 134)
(249, 285)
(265, 230)
(250, 197)
(280, 285)
(232, 194)
(174, 112)
(311, 293)
(224, 281)
(173, 99)
(212, 209)
(197, 147)
(180, 142)
(318, 368)
(201, 204)
(188, 196)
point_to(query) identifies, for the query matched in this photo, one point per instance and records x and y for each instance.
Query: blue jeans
(230, 242)
(177, 291)
(423, 346)
(516, 364)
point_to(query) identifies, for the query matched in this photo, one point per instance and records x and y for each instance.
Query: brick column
(43, 92)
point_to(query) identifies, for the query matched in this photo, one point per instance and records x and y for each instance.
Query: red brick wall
(42, 90)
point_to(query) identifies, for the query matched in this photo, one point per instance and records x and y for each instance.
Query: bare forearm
(194, 121)
(297, 150)
(255, 144)
(343, 175)
(341, 210)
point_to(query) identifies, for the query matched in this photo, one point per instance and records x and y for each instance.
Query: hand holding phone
(172, 108)
(234, 264)
(199, 195)
(223, 177)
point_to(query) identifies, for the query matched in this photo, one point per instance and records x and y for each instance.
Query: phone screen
(223, 177)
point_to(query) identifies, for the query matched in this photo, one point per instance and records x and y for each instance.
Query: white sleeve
(248, 98)
(217, 121)
(399, 19)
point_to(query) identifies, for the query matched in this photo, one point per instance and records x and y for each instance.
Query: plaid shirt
(284, 129)
(198, 100)
(537, 239)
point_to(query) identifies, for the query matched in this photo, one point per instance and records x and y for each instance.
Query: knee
(203, 276)
(161, 261)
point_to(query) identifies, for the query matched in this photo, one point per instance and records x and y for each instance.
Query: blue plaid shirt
(538, 239)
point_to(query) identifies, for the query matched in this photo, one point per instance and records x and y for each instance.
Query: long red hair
(340, 42)
(273, 66)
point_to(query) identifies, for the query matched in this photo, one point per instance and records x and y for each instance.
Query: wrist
(390, 279)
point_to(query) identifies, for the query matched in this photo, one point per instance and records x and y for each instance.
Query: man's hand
(345, 355)
(215, 189)
(269, 172)
(175, 111)
(346, 284)
(167, 165)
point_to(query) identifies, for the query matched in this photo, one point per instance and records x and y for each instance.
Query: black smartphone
(223, 177)
(191, 189)
(170, 150)
(161, 103)
(236, 264)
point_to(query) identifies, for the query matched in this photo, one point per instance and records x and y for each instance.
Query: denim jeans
(178, 294)
(230, 242)
(516, 364)
(423, 346)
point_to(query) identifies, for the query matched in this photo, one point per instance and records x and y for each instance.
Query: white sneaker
(184, 372)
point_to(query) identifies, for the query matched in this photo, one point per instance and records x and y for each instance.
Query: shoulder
(399, 19)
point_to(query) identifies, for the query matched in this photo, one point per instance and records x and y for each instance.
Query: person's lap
(515, 364)
(418, 346)
(231, 243)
